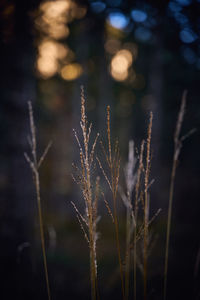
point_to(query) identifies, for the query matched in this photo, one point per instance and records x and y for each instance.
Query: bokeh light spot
(138, 15)
(181, 18)
(55, 10)
(59, 31)
(174, 7)
(118, 20)
(97, 7)
(49, 54)
(52, 49)
(187, 36)
(120, 65)
(127, 55)
(184, 2)
(47, 66)
(71, 71)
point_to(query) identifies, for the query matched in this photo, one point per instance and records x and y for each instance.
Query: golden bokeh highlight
(71, 71)
(60, 31)
(119, 76)
(54, 18)
(52, 49)
(120, 63)
(127, 55)
(55, 15)
(55, 10)
(49, 54)
(52, 22)
(47, 66)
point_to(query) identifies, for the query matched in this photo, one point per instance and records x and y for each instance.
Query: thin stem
(146, 204)
(128, 240)
(135, 215)
(171, 192)
(177, 148)
(118, 247)
(86, 159)
(37, 186)
(34, 165)
(108, 134)
(114, 174)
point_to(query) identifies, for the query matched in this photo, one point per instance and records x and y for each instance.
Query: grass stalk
(177, 148)
(128, 256)
(114, 172)
(135, 218)
(113, 161)
(90, 197)
(34, 164)
(146, 202)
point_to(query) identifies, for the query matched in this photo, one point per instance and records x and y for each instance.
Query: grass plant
(88, 222)
(135, 197)
(137, 187)
(178, 142)
(112, 158)
(146, 201)
(35, 164)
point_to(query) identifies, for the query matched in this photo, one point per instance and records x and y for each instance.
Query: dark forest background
(135, 56)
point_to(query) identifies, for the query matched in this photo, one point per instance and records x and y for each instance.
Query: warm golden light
(127, 56)
(52, 50)
(58, 31)
(52, 21)
(55, 10)
(119, 76)
(120, 64)
(71, 71)
(61, 12)
(49, 54)
(47, 66)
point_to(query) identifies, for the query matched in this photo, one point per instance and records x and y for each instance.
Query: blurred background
(136, 56)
